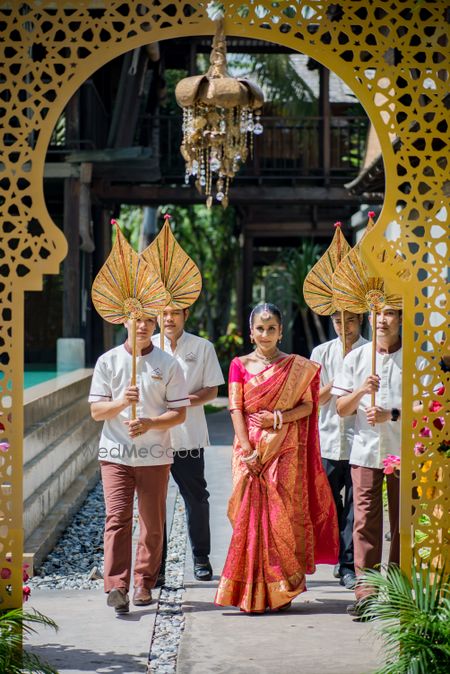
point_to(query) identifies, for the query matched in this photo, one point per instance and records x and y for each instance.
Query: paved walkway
(315, 637)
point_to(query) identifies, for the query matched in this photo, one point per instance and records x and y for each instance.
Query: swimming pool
(33, 377)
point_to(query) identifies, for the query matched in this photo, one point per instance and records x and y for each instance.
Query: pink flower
(419, 448)
(5, 573)
(425, 432)
(25, 575)
(435, 406)
(4, 446)
(391, 463)
(26, 592)
(441, 390)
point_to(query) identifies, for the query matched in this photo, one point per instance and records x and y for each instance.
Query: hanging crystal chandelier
(220, 116)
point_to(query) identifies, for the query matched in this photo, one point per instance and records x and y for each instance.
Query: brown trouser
(119, 484)
(368, 519)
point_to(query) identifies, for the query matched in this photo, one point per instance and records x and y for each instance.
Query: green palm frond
(412, 617)
(283, 86)
(299, 261)
(13, 625)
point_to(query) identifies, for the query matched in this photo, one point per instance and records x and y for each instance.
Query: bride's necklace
(267, 360)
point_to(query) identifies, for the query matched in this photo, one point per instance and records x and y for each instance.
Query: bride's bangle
(277, 420)
(250, 457)
(280, 419)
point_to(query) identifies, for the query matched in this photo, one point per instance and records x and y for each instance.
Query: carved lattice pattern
(393, 55)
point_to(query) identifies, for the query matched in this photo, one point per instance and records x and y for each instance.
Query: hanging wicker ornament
(220, 116)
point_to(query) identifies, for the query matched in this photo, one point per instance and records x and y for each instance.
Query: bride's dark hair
(266, 307)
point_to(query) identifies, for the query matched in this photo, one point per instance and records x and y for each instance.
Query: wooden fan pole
(374, 351)
(161, 330)
(133, 363)
(344, 345)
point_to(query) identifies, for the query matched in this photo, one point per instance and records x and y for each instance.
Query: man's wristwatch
(395, 414)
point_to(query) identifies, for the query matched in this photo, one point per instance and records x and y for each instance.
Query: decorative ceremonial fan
(126, 289)
(354, 290)
(317, 288)
(177, 271)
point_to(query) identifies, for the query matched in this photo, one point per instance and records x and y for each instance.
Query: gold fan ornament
(354, 290)
(127, 289)
(178, 273)
(318, 285)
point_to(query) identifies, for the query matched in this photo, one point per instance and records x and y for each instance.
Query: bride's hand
(263, 419)
(254, 467)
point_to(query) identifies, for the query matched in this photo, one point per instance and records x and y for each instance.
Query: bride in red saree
(281, 508)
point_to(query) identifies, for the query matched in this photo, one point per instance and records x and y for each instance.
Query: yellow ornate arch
(394, 55)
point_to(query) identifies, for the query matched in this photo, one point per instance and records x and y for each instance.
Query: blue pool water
(33, 377)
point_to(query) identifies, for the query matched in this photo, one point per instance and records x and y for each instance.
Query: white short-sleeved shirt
(336, 433)
(372, 444)
(201, 368)
(161, 386)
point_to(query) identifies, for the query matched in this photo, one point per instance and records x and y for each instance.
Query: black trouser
(339, 477)
(188, 471)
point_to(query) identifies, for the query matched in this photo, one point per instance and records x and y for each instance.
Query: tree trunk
(308, 334)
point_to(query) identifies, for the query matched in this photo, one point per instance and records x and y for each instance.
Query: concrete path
(90, 637)
(315, 637)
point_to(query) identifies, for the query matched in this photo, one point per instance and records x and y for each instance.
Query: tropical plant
(227, 347)
(298, 263)
(412, 617)
(130, 221)
(210, 238)
(13, 659)
(284, 88)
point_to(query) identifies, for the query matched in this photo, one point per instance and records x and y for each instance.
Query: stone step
(73, 460)
(46, 432)
(44, 536)
(44, 400)
(54, 455)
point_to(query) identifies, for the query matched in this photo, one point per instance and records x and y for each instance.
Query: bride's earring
(252, 340)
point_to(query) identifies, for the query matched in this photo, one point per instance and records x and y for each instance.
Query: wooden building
(115, 144)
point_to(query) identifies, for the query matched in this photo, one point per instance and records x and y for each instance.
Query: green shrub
(412, 617)
(14, 624)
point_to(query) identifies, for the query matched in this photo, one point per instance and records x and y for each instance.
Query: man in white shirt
(203, 376)
(135, 456)
(377, 434)
(336, 436)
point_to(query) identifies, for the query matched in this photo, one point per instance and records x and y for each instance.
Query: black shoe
(357, 609)
(348, 579)
(202, 568)
(336, 571)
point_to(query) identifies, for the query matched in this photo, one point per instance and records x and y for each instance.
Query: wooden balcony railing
(288, 148)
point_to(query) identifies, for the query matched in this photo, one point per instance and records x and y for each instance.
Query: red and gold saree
(284, 519)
